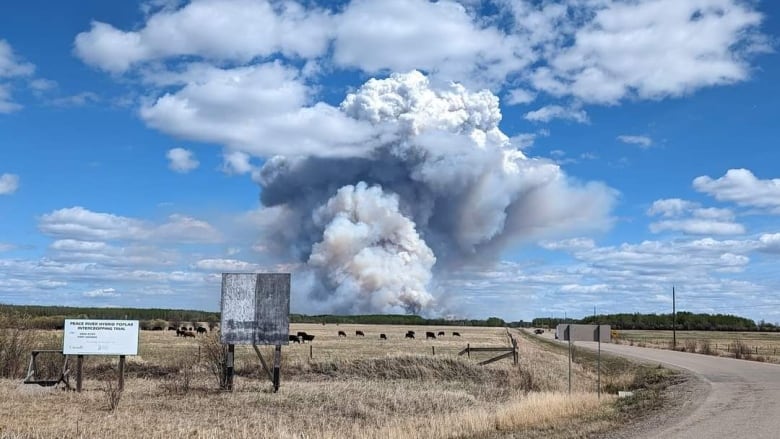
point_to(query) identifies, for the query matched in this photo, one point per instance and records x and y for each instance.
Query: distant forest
(52, 317)
(685, 321)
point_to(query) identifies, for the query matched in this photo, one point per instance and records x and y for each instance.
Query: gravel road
(743, 398)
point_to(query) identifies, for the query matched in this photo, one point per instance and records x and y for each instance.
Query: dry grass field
(762, 346)
(353, 387)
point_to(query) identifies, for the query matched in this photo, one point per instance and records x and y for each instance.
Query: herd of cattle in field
(303, 337)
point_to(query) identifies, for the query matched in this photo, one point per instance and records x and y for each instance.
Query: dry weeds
(351, 388)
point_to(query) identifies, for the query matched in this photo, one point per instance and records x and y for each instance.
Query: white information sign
(100, 337)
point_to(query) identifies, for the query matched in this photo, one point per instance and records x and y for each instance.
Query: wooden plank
(121, 372)
(494, 359)
(277, 366)
(506, 349)
(263, 363)
(79, 370)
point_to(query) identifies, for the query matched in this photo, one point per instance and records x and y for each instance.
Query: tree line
(686, 321)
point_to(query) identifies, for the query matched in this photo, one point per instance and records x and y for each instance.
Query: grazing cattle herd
(300, 336)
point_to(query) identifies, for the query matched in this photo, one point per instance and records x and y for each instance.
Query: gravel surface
(727, 398)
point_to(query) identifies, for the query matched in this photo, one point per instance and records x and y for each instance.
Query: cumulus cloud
(643, 142)
(550, 112)
(690, 218)
(403, 35)
(181, 160)
(220, 30)
(742, 187)
(82, 224)
(519, 96)
(9, 183)
(258, 110)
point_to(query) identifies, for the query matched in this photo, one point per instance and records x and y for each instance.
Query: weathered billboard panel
(255, 308)
(565, 331)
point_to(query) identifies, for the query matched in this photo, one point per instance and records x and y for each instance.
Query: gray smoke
(440, 178)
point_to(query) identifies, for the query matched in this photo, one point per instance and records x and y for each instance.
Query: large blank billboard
(100, 337)
(255, 308)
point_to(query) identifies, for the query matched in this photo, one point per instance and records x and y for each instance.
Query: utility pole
(674, 321)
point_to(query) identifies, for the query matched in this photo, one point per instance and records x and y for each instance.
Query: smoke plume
(438, 185)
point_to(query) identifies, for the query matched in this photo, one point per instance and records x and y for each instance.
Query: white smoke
(439, 175)
(370, 255)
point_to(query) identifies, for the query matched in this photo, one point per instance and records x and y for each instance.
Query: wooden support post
(121, 372)
(433, 350)
(468, 350)
(79, 369)
(311, 352)
(229, 367)
(568, 336)
(277, 366)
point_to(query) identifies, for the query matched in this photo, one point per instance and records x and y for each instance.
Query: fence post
(121, 372)
(433, 350)
(79, 368)
(311, 352)
(468, 350)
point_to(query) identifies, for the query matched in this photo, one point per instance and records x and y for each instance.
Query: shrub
(16, 343)
(112, 394)
(705, 348)
(690, 346)
(215, 356)
(742, 350)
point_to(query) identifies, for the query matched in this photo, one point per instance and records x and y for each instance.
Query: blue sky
(635, 149)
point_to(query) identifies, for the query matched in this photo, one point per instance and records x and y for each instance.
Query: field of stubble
(353, 387)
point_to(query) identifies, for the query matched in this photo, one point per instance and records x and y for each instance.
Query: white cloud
(742, 187)
(10, 64)
(6, 247)
(698, 227)
(82, 224)
(643, 142)
(690, 218)
(260, 110)
(9, 183)
(220, 30)
(101, 292)
(770, 242)
(226, 265)
(569, 244)
(519, 96)
(11, 67)
(76, 100)
(656, 48)
(181, 160)
(404, 35)
(42, 84)
(236, 162)
(550, 112)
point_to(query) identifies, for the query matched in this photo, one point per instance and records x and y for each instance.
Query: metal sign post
(598, 382)
(568, 337)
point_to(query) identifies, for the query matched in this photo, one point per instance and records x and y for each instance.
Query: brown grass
(351, 388)
(742, 345)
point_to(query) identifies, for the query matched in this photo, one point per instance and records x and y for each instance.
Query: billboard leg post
(121, 373)
(598, 382)
(229, 367)
(277, 366)
(568, 330)
(79, 371)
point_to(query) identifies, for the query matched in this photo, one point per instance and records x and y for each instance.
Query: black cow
(308, 337)
(294, 338)
(359, 334)
(382, 337)
(171, 328)
(301, 334)
(157, 328)
(342, 334)
(186, 334)
(456, 334)
(441, 334)
(430, 334)
(409, 334)
(201, 330)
